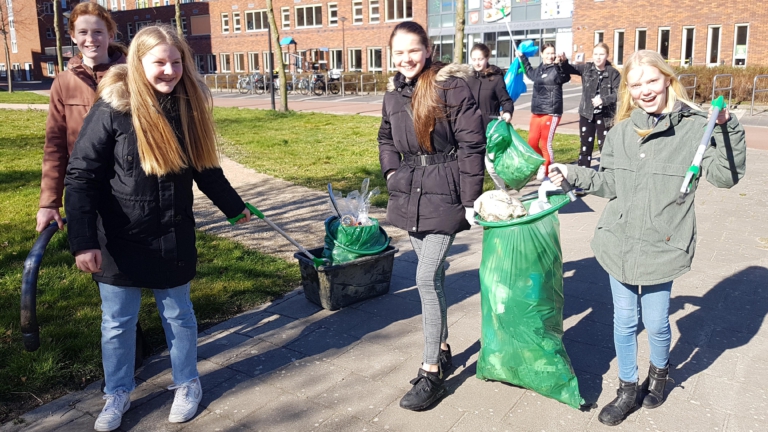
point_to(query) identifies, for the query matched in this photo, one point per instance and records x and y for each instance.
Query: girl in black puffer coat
(546, 103)
(431, 149)
(490, 92)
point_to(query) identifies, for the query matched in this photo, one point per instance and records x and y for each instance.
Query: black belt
(429, 159)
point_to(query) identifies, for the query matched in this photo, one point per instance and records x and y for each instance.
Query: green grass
(312, 149)
(22, 97)
(231, 279)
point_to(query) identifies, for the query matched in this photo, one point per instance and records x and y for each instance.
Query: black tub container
(336, 286)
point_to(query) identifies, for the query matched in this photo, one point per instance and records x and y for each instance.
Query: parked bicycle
(318, 84)
(334, 81)
(253, 83)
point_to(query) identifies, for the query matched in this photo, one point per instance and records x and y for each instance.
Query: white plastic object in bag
(498, 206)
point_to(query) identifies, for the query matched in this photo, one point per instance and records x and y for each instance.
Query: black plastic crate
(336, 286)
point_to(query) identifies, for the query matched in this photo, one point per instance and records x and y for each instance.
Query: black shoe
(446, 361)
(427, 389)
(653, 387)
(625, 403)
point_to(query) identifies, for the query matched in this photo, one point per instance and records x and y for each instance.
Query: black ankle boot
(427, 389)
(446, 361)
(625, 402)
(653, 387)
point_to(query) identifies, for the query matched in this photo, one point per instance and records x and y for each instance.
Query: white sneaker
(541, 174)
(112, 414)
(186, 400)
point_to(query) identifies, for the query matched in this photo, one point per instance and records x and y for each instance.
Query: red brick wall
(590, 16)
(27, 37)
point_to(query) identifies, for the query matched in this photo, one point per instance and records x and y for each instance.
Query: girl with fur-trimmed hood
(129, 203)
(431, 150)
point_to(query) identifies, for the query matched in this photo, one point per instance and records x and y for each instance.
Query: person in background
(129, 204)
(73, 92)
(645, 158)
(600, 87)
(431, 150)
(546, 102)
(490, 93)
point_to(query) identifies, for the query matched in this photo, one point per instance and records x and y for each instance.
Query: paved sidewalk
(290, 366)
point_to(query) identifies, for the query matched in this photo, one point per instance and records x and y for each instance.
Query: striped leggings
(541, 133)
(431, 250)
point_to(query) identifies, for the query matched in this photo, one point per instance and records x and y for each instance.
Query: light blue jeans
(119, 314)
(654, 304)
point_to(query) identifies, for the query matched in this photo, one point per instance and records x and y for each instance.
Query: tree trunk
(59, 57)
(4, 32)
(278, 54)
(458, 43)
(179, 29)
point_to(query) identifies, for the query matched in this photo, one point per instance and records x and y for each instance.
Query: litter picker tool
(695, 169)
(542, 203)
(317, 261)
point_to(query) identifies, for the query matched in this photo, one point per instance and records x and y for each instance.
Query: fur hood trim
(446, 71)
(114, 88)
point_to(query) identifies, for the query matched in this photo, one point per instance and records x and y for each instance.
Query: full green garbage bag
(521, 292)
(347, 243)
(513, 159)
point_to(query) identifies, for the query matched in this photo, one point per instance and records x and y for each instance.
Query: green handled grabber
(317, 261)
(695, 168)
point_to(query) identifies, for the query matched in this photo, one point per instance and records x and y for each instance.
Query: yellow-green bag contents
(346, 243)
(521, 286)
(513, 159)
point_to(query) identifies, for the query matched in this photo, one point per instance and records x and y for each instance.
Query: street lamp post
(343, 44)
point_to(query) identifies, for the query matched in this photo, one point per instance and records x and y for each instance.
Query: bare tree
(56, 27)
(458, 44)
(279, 55)
(4, 31)
(179, 28)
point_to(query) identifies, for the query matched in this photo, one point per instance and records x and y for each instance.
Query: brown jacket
(72, 95)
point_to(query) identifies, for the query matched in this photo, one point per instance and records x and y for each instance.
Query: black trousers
(591, 130)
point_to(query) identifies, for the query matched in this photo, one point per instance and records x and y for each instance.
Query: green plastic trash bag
(521, 294)
(347, 243)
(513, 159)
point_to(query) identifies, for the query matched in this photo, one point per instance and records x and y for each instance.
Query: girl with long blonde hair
(129, 203)
(645, 239)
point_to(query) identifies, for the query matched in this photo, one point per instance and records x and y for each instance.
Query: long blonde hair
(675, 90)
(159, 149)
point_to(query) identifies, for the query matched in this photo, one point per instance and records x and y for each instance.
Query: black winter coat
(428, 193)
(143, 225)
(490, 93)
(548, 83)
(609, 88)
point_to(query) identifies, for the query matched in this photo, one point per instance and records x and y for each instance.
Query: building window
(226, 66)
(374, 59)
(14, 47)
(3, 71)
(286, 14)
(48, 8)
(123, 5)
(239, 62)
(51, 69)
(256, 20)
(355, 59)
(599, 35)
(740, 37)
(686, 53)
(640, 38)
(664, 42)
(267, 62)
(336, 60)
(253, 62)
(49, 33)
(200, 63)
(713, 46)
(333, 14)
(129, 30)
(357, 11)
(156, 3)
(309, 16)
(618, 47)
(373, 11)
(235, 22)
(212, 63)
(184, 25)
(399, 10)
(225, 22)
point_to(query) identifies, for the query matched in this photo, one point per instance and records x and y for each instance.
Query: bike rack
(729, 88)
(374, 82)
(695, 81)
(755, 90)
(344, 83)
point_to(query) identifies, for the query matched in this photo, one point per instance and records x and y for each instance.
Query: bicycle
(253, 83)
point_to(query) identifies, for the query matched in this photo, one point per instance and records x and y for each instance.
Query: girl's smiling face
(163, 67)
(648, 88)
(92, 39)
(548, 55)
(478, 60)
(408, 54)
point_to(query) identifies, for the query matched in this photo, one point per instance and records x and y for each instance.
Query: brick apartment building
(26, 24)
(685, 32)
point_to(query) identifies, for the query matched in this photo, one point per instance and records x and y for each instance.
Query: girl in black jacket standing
(600, 87)
(129, 204)
(431, 149)
(490, 93)
(546, 103)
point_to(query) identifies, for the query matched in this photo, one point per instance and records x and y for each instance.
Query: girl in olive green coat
(644, 240)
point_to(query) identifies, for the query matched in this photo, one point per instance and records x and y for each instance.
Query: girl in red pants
(547, 102)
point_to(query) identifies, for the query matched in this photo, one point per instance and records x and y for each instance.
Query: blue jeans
(655, 313)
(119, 314)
